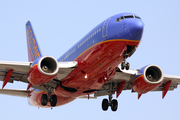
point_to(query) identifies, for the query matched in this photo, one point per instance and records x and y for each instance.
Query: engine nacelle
(43, 70)
(147, 79)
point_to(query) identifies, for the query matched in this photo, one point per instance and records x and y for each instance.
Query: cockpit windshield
(129, 16)
(126, 17)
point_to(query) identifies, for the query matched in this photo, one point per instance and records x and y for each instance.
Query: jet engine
(43, 70)
(147, 79)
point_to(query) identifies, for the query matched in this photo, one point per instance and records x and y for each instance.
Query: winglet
(34, 51)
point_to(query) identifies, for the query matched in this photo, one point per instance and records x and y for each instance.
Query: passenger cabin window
(126, 17)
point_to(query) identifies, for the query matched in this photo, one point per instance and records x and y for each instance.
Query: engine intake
(48, 65)
(153, 74)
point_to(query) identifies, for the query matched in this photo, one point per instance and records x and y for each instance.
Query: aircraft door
(104, 29)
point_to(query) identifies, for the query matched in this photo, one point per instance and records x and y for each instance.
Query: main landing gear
(112, 103)
(51, 98)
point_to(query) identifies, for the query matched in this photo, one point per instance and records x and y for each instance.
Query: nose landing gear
(125, 64)
(130, 50)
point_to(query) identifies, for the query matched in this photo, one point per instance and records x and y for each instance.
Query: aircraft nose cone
(135, 29)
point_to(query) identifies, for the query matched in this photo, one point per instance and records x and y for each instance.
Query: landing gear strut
(51, 98)
(113, 103)
(125, 64)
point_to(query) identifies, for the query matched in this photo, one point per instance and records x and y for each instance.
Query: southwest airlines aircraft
(88, 67)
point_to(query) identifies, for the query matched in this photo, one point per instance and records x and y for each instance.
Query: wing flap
(20, 70)
(14, 92)
(87, 97)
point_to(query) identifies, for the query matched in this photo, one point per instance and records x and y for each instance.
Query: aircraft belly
(106, 57)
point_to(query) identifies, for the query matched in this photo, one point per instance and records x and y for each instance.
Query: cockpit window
(129, 16)
(126, 17)
(117, 19)
(137, 17)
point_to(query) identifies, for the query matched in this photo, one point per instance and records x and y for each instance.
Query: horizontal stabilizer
(13, 92)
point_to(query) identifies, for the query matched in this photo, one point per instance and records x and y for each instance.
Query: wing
(21, 69)
(14, 92)
(127, 77)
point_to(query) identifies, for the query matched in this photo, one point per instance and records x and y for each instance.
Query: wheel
(53, 100)
(114, 105)
(122, 65)
(44, 99)
(127, 66)
(105, 104)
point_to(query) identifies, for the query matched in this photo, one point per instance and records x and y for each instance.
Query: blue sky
(60, 24)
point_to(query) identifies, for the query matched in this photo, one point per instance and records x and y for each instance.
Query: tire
(127, 66)
(122, 65)
(105, 104)
(44, 99)
(53, 101)
(114, 105)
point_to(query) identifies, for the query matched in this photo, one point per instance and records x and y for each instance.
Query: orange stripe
(34, 65)
(37, 92)
(105, 42)
(137, 79)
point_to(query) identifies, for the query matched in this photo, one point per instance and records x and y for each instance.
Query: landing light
(86, 76)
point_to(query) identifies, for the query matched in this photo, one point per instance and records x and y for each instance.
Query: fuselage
(98, 54)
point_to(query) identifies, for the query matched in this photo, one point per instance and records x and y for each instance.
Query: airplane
(96, 65)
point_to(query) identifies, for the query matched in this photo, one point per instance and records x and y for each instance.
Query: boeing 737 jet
(96, 65)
